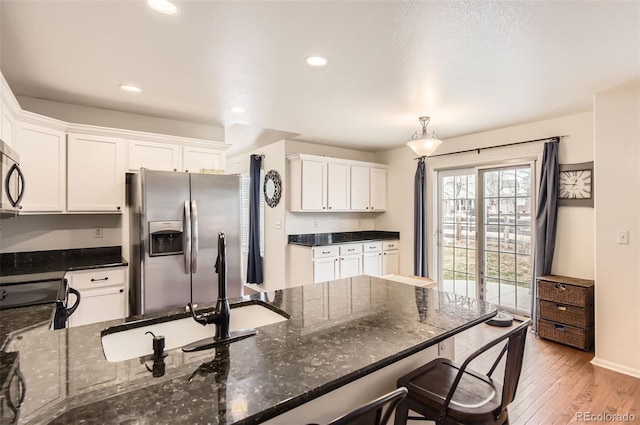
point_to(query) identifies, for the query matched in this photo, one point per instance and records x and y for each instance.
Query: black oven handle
(76, 304)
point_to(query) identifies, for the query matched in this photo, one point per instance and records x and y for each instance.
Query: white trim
(301, 156)
(616, 367)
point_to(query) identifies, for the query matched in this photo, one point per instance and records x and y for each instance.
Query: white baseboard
(616, 367)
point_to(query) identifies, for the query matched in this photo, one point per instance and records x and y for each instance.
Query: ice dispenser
(165, 238)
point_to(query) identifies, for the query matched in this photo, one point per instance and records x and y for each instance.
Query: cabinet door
(325, 269)
(196, 160)
(98, 305)
(154, 156)
(378, 189)
(7, 128)
(390, 262)
(314, 190)
(338, 187)
(350, 266)
(372, 263)
(95, 174)
(359, 188)
(43, 161)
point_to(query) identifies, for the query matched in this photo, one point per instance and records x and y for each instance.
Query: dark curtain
(420, 222)
(254, 266)
(546, 219)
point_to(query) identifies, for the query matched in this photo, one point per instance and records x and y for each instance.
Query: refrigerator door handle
(186, 238)
(194, 217)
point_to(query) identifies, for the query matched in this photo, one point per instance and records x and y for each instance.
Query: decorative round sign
(272, 188)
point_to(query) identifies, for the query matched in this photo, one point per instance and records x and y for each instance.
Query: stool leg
(402, 413)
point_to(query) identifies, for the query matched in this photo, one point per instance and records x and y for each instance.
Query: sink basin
(133, 343)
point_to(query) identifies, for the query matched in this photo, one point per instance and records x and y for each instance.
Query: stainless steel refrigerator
(174, 223)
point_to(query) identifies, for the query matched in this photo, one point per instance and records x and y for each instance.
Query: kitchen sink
(133, 342)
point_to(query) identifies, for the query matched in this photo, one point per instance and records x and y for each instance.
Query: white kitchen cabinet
(7, 126)
(338, 186)
(377, 189)
(198, 160)
(95, 174)
(43, 161)
(325, 269)
(154, 156)
(390, 257)
(368, 188)
(327, 184)
(350, 265)
(103, 295)
(314, 186)
(372, 263)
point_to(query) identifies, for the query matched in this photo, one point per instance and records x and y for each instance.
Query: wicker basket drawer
(565, 294)
(565, 334)
(567, 314)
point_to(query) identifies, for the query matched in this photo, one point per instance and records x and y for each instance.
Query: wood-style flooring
(557, 383)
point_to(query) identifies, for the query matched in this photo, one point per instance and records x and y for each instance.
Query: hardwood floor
(557, 383)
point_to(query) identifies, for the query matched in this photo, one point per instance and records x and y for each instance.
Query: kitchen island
(338, 333)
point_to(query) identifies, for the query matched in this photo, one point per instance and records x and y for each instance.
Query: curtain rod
(499, 146)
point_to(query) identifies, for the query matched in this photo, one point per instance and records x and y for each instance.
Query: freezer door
(216, 202)
(166, 279)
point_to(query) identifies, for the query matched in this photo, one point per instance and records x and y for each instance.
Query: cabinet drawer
(565, 334)
(565, 294)
(567, 314)
(325, 251)
(389, 245)
(97, 278)
(372, 246)
(350, 249)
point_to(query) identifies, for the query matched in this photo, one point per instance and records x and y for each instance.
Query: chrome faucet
(221, 315)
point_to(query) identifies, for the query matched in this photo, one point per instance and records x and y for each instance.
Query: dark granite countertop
(337, 332)
(22, 318)
(321, 239)
(36, 266)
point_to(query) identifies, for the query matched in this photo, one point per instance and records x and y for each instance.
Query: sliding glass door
(487, 252)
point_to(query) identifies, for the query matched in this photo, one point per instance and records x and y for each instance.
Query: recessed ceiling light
(316, 61)
(131, 88)
(163, 6)
(236, 109)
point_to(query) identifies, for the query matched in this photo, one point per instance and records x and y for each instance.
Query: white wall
(79, 114)
(617, 181)
(48, 232)
(574, 255)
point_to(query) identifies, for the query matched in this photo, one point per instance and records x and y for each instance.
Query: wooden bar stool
(448, 393)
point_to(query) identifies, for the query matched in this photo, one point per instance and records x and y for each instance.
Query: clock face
(575, 184)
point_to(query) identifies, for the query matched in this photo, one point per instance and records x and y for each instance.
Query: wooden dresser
(566, 310)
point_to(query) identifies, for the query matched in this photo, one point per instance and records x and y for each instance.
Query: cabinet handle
(186, 171)
(118, 207)
(121, 291)
(98, 280)
(352, 249)
(335, 259)
(367, 207)
(558, 327)
(560, 287)
(175, 169)
(561, 307)
(385, 253)
(326, 252)
(380, 254)
(324, 208)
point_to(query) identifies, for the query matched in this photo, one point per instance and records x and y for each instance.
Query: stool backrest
(373, 413)
(513, 366)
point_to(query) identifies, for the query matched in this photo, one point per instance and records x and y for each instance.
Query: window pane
(523, 237)
(507, 238)
(524, 272)
(491, 210)
(492, 264)
(507, 293)
(523, 176)
(448, 215)
(507, 266)
(447, 187)
(507, 183)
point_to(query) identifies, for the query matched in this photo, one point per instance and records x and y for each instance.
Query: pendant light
(425, 143)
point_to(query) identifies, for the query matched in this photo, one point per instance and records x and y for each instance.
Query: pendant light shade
(425, 143)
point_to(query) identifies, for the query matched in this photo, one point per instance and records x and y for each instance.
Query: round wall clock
(272, 188)
(575, 185)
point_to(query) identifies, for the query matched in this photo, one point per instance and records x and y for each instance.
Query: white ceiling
(471, 66)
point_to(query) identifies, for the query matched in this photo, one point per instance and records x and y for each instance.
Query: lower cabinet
(331, 262)
(103, 295)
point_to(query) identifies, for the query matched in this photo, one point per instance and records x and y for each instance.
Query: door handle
(186, 237)
(14, 168)
(194, 231)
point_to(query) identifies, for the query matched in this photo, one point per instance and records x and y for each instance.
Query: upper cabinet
(320, 183)
(154, 156)
(43, 162)
(199, 160)
(95, 174)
